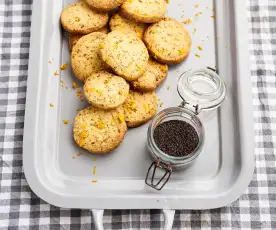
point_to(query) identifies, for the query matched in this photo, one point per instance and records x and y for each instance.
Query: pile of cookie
(121, 68)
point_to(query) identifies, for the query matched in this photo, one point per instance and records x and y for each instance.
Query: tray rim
(53, 197)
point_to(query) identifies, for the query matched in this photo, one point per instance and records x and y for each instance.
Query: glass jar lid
(202, 89)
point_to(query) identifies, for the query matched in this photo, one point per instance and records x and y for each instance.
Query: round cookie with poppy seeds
(139, 108)
(117, 22)
(85, 57)
(168, 41)
(145, 83)
(104, 5)
(78, 18)
(104, 90)
(99, 131)
(73, 38)
(154, 75)
(146, 11)
(126, 54)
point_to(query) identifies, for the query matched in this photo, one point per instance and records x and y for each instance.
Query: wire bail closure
(167, 169)
(196, 107)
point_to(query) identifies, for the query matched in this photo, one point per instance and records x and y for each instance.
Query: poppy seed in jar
(176, 138)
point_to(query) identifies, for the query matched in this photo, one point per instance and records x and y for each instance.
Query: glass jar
(200, 90)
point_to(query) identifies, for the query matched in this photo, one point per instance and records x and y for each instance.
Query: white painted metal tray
(219, 175)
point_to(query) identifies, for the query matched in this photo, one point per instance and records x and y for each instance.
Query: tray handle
(168, 218)
(98, 218)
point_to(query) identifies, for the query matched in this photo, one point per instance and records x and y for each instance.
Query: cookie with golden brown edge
(78, 18)
(104, 5)
(73, 38)
(117, 22)
(99, 131)
(106, 91)
(154, 75)
(85, 57)
(168, 41)
(146, 11)
(126, 54)
(139, 108)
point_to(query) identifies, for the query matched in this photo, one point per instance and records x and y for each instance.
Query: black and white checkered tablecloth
(20, 208)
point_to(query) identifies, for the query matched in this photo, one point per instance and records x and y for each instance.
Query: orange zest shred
(83, 126)
(64, 66)
(65, 122)
(121, 118)
(79, 95)
(146, 107)
(56, 73)
(83, 134)
(49, 62)
(197, 55)
(51, 105)
(100, 125)
(82, 142)
(94, 181)
(200, 48)
(75, 85)
(94, 170)
(181, 51)
(99, 92)
(212, 16)
(196, 6)
(187, 21)
(194, 30)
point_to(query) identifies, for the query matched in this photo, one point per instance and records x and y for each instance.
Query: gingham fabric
(21, 209)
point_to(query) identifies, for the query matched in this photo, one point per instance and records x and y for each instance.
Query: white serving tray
(220, 174)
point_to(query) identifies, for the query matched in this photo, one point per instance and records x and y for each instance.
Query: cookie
(139, 108)
(104, 5)
(104, 90)
(99, 131)
(147, 11)
(117, 22)
(73, 38)
(78, 18)
(126, 54)
(154, 75)
(168, 41)
(146, 83)
(85, 57)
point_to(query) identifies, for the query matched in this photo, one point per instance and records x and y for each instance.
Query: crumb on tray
(56, 73)
(75, 85)
(64, 66)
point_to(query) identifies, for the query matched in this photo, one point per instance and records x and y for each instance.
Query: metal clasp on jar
(185, 103)
(167, 169)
